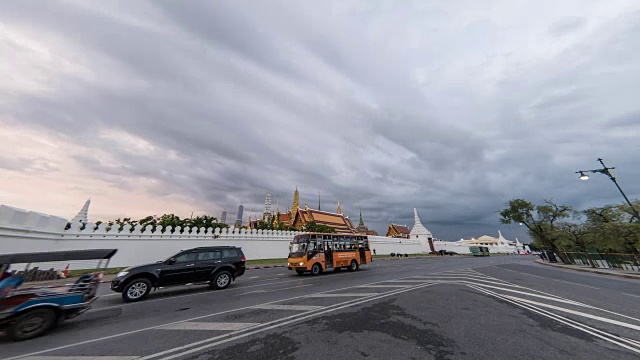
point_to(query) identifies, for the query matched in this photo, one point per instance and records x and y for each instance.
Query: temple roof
(401, 229)
(338, 222)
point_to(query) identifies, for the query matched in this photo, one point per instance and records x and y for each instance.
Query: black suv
(216, 266)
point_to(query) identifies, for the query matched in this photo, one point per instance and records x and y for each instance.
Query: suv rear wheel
(221, 280)
(136, 290)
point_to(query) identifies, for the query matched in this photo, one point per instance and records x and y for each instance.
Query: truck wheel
(316, 269)
(136, 290)
(221, 280)
(353, 266)
(32, 324)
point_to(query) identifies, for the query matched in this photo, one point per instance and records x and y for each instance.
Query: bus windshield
(298, 246)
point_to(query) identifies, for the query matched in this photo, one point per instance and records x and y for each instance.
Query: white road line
(80, 358)
(219, 326)
(253, 277)
(568, 282)
(631, 295)
(204, 292)
(520, 272)
(175, 322)
(288, 307)
(579, 313)
(383, 286)
(574, 324)
(294, 320)
(342, 295)
(272, 290)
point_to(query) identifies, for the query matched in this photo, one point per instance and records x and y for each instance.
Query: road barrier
(596, 259)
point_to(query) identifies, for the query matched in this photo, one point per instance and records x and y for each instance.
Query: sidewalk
(601, 271)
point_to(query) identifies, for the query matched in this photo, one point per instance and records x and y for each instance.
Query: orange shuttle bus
(316, 252)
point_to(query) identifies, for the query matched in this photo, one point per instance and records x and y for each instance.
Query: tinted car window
(229, 252)
(188, 257)
(209, 255)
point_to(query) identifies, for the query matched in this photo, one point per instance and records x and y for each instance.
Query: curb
(626, 276)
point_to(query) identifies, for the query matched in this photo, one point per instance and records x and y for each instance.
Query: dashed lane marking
(272, 290)
(287, 307)
(383, 286)
(568, 282)
(638, 296)
(520, 272)
(208, 343)
(204, 325)
(343, 295)
(80, 358)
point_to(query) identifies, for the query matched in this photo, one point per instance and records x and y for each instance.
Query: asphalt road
(501, 307)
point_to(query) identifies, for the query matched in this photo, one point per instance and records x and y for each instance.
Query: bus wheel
(353, 266)
(316, 269)
(300, 272)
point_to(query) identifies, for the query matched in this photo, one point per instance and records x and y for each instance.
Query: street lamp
(605, 170)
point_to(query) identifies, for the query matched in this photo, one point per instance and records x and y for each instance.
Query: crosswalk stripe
(81, 357)
(287, 307)
(204, 325)
(342, 295)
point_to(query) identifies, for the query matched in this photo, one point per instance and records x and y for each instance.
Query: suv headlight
(122, 273)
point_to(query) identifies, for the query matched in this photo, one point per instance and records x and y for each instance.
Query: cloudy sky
(451, 107)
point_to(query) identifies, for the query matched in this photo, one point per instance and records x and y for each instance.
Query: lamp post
(605, 170)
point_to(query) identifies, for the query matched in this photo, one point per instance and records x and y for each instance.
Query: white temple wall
(461, 248)
(23, 231)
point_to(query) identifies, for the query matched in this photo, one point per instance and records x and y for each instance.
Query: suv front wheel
(221, 280)
(136, 290)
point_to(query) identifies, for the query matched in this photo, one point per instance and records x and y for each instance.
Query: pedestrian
(374, 251)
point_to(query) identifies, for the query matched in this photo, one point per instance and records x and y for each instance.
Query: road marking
(80, 357)
(253, 277)
(411, 281)
(572, 323)
(568, 282)
(520, 272)
(108, 337)
(272, 290)
(383, 286)
(631, 295)
(288, 307)
(579, 313)
(204, 292)
(297, 318)
(222, 326)
(342, 295)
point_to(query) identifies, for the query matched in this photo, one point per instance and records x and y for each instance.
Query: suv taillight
(244, 258)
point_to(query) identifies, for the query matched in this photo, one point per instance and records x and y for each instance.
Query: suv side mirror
(171, 261)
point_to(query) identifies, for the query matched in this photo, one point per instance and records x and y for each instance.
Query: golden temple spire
(296, 200)
(339, 210)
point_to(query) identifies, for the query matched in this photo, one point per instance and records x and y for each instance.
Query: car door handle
(189, 265)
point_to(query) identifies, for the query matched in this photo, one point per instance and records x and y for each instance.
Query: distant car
(445, 252)
(216, 266)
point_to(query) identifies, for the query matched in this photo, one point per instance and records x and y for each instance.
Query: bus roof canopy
(25, 258)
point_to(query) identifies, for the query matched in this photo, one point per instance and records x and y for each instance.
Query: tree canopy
(611, 228)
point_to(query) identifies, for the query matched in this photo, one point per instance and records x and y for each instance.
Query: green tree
(541, 221)
(320, 228)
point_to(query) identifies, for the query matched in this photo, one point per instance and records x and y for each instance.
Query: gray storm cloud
(450, 108)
